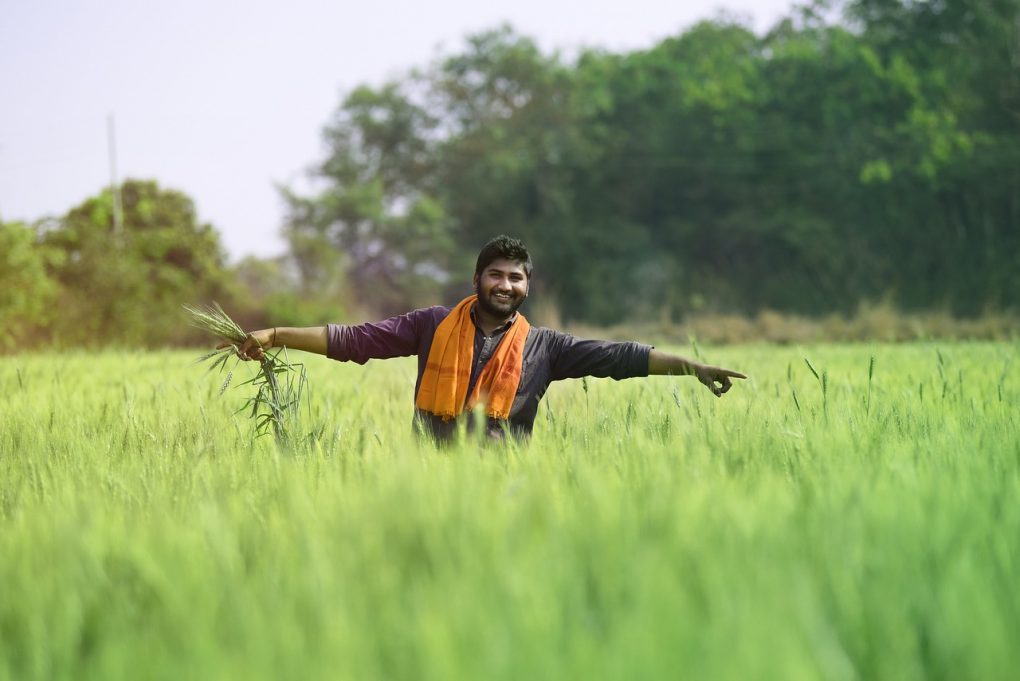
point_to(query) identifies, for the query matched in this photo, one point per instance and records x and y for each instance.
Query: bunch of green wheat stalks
(280, 383)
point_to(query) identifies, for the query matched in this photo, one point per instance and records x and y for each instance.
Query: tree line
(827, 162)
(805, 170)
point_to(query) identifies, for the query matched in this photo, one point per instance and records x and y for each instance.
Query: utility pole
(118, 219)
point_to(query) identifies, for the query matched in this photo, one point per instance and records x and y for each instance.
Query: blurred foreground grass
(798, 528)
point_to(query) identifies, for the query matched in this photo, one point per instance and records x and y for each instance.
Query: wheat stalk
(276, 403)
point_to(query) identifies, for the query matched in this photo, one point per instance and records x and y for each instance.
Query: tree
(128, 287)
(511, 153)
(676, 167)
(26, 291)
(377, 222)
(964, 133)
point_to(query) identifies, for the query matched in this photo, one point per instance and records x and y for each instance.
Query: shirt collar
(498, 329)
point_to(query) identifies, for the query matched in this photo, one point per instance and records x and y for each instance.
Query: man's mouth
(502, 296)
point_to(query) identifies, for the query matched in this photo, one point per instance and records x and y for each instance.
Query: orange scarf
(447, 373)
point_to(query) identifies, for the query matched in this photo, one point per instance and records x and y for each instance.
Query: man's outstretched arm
(664, 364)
(309, 339)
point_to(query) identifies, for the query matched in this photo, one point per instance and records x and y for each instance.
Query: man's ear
(474, 281)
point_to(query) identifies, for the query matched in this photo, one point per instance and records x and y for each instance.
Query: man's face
(502, 286)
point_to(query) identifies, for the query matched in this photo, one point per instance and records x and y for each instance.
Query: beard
(498, 307)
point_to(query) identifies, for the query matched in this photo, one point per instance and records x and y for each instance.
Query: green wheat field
(861, 523)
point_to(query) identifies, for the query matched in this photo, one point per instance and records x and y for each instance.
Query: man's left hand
(710, 376)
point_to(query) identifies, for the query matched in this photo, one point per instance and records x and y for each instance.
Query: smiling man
(483, 353)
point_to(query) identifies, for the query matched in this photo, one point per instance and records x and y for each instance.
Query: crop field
(858, 518)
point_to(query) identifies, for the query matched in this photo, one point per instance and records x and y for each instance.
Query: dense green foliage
(26, 291)
(75, 280)
(128, 287)
(805, 170)
(861, 524)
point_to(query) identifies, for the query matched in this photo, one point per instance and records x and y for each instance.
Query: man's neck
(488, 323)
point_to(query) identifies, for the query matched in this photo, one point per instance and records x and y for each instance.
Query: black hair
(506, 247)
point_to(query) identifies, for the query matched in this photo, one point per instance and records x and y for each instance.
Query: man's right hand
(255, 345)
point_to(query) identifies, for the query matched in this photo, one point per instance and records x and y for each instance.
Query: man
(483, 353)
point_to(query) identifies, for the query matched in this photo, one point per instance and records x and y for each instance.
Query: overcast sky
(223, 100)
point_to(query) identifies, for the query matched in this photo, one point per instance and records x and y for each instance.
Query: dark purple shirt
(548, 356)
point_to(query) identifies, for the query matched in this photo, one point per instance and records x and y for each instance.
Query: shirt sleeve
(574, 357)
(394, 337)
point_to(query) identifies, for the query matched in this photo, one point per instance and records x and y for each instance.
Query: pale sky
(223, 100)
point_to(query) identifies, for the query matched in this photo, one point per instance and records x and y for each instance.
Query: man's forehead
(505, 265)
